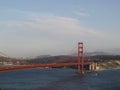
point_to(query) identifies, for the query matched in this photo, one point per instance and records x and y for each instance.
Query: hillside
(109, 64)
(52, 59)
(103, 61)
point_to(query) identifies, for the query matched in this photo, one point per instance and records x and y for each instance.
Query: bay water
(59, 79)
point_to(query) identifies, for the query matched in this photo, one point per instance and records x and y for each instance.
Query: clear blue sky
(37, 27)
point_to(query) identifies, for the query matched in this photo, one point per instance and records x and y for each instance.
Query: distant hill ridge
(102, 52)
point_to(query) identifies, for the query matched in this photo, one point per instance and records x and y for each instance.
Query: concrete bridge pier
(93, 66)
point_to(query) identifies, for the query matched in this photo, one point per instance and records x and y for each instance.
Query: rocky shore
(111, 64)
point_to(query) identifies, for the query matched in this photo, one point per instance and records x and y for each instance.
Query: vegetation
(104, 61)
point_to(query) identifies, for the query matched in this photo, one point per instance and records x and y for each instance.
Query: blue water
(59, 79)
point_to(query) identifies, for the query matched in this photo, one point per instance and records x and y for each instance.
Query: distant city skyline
(53, 27)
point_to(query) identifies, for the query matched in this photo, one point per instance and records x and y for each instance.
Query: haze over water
(59, 79)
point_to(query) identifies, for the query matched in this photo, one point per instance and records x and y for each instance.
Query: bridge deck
(40, 66)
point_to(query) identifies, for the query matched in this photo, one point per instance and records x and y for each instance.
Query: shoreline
(108, 65)
(108, 69)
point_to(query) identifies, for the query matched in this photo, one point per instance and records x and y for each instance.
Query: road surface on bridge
(41, 66)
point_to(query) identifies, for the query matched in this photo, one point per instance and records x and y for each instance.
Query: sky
(54, 27)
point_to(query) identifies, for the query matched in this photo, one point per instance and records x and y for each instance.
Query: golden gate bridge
(80, 63)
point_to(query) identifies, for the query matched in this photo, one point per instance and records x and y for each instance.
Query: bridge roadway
(2, 69)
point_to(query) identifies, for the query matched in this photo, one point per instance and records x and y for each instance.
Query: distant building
(7, 63)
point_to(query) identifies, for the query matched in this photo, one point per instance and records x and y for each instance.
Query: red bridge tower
(80, 58)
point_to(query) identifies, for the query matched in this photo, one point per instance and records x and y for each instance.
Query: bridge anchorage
(81, 63)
